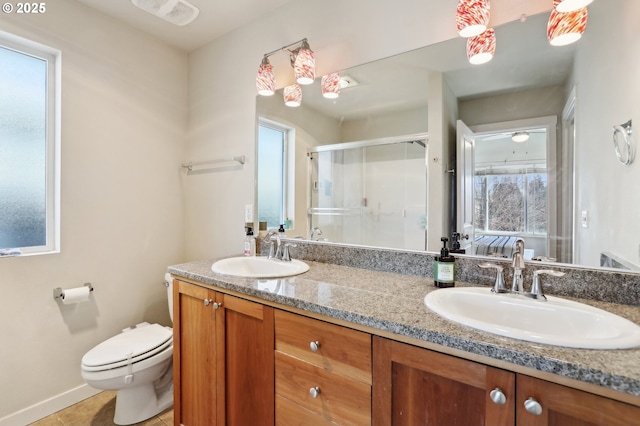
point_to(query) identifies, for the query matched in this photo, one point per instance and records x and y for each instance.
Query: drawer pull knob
(498, 396)
(314, 346)
(532, 406)
(207, 302)
(217, 306)
(314, 392)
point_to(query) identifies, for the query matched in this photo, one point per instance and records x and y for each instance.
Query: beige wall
(124, 100)
(604, 187)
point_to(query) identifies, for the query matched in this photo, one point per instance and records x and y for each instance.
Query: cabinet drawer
(340, 399)
(291, 414)
(340, 350)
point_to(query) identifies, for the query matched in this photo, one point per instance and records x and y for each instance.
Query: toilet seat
(128, 347)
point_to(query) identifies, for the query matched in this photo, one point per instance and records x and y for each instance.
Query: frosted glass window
(28, 147)
(271, 175)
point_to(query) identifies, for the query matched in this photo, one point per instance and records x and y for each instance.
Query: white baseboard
(49, 406)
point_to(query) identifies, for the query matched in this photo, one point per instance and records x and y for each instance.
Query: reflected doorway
(506, 188)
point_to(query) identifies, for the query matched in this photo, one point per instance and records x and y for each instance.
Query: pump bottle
(444, 268)
(249, 243)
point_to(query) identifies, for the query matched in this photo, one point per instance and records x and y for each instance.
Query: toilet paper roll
(74, 295)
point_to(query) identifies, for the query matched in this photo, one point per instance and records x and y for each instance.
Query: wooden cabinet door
(194, 357)
(247, 333)
(563, 406)
(414, 386)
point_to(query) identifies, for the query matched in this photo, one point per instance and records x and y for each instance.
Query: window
(274, 149)
(511, 199)
(29, 146)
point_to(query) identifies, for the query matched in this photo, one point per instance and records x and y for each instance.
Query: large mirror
(567, 99)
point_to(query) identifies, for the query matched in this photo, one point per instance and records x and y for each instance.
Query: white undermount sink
(258, 267)
(557, 321)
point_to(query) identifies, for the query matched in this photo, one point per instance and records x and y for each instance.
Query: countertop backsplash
(579, 282)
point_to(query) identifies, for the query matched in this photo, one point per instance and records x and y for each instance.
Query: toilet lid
(128, 345)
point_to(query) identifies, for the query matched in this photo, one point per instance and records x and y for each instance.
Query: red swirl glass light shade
(331, 85)
(472, 17)
(304, 66)
(566, 28)
(481, 48)
(292, 95)
(266, 79)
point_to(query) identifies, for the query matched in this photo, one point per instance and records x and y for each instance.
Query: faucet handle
(498, 286)
(518, 255)
(536, 287)
(272, 249)
(286, 256)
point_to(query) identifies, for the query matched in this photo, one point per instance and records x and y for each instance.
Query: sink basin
(258, 267)
(557, 321)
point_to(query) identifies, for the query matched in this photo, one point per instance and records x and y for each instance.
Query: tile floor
(97, 411)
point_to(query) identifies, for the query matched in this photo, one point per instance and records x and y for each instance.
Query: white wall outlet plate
(584, 219)
(248, 213)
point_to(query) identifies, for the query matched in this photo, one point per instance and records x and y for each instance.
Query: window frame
(53, 59)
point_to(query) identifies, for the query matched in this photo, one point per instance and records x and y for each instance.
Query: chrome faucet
(278, 249)
(315, 231)
(518, 281)
(275, 247)
(518, 265)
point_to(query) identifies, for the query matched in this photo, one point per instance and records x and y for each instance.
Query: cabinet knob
(498, 396)
(217, 305)
(314, 346)
(533, 406)
(314, 392)
(207, 302)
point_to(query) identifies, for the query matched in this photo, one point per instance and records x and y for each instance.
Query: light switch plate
(248, 213)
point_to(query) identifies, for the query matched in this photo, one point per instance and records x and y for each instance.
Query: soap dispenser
(444, 268)
(455, 244)
(249, 243)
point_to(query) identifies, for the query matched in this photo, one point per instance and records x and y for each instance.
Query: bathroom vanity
(346, 345)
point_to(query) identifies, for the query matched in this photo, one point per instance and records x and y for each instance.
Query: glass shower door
(371, 194)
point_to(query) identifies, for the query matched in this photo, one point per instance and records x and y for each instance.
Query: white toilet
(138, 363)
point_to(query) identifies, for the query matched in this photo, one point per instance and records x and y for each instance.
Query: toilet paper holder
(58, 291)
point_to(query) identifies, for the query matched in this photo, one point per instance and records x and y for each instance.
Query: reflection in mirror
(370, 192)
(504, 192)
(590, 86)
(510, 194)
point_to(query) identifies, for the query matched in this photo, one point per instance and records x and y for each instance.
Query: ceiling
(217, 17)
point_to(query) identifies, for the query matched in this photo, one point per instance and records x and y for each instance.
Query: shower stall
(371, 193)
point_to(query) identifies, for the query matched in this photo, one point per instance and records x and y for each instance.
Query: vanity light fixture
(304, 69)
(292, 95)
(520, 137)
(472, 17)
(566, 28)
(330, 85)
(266, 79)
(481, 48)
(178, 12)
(565, 6)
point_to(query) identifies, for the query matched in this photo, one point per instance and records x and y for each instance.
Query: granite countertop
(393, 303)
